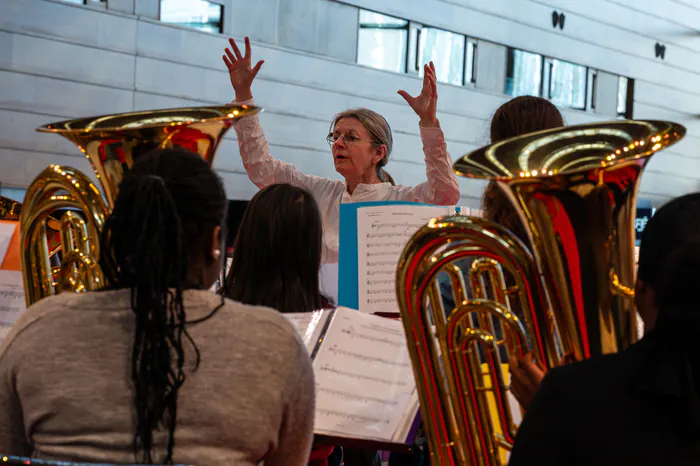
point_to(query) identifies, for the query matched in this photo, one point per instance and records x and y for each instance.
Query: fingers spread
(406, 96)
(231, 56)
(247, 48)
(227, 62)
(257, 68)
(235, 48)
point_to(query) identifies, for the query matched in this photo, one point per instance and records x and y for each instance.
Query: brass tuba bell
(570, 298)
(112, 143)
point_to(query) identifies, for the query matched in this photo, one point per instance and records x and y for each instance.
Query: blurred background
(595, 59)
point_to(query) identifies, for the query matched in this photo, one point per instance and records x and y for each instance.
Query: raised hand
(425, 104)
(239, 70)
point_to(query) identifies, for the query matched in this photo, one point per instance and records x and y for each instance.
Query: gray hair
(379, 131)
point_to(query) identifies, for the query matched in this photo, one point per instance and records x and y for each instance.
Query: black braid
(167, 206)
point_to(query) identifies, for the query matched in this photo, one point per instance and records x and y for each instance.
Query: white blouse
(264, 170)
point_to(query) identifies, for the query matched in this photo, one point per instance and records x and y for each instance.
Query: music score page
(364, 379)
(12, 302)
(382, 234)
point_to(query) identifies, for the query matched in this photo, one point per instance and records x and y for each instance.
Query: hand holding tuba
(569, 298)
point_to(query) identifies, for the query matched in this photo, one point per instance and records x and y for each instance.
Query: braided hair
(155, 243)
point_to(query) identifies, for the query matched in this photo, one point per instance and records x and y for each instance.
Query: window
(195, 14)
(567, 84)
(625, 97)
(382, 42)
(524, 73)
(446, 50)
(470, 63)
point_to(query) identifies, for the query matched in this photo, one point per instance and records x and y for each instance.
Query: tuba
(567, 298)
(67, 200)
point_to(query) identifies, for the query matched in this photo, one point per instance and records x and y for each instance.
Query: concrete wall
(60, 60)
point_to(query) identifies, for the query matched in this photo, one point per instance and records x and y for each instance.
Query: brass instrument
(112, 143)
(569, 298)
(9, 209)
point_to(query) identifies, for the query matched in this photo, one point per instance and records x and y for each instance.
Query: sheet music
(382, 234)
(12, 302)
(7, 229)
(364, 378)
(309, 326)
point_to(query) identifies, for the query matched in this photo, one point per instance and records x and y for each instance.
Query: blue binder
(348, 287)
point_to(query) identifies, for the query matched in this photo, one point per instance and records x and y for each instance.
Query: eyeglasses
(349, 138)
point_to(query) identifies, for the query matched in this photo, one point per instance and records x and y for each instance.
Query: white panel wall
(60, 60)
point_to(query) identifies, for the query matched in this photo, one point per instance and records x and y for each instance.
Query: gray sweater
(66, 393)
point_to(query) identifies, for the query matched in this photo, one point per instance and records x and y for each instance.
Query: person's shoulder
(42, 313)
(259, 322)
(597, 375)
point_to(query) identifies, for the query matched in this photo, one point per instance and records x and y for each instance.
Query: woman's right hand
(239, 70)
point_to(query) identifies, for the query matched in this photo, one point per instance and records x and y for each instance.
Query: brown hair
(519, 116)
(379, 131)
(524, 115)
(277, 252)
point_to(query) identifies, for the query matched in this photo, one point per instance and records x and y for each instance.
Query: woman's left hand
(425, 104)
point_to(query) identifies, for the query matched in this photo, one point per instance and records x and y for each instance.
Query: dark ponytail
(168, 206)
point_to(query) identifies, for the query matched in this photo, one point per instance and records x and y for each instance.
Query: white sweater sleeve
(442, 187)
(263, 169)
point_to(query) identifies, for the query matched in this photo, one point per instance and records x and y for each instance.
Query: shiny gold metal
(112, 143)
(9, 209)
(575, 190)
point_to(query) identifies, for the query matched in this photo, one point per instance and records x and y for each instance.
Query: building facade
(596, 59)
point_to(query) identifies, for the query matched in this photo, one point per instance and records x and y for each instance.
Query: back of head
(673, 225)
(517, 117)
(158, 242)
(379, 132)
(277, 253)
(523, 115)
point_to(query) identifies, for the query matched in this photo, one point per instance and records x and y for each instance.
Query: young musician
(277, 256)
(361, 142)
(517, 117)
(156, 368)
(278, 252)
(640, 406)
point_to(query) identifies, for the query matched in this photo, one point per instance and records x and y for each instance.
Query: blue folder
(348, 291)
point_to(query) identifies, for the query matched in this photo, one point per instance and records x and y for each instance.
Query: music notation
(351, 417)
(374, 339)
(364, 378)
(12, 302)
(383, 232)
(352, 375)
(354, 397)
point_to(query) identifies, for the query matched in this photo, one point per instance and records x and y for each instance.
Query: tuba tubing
(60, 188)
(111, 143)
(454, 403)
(575, 190)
